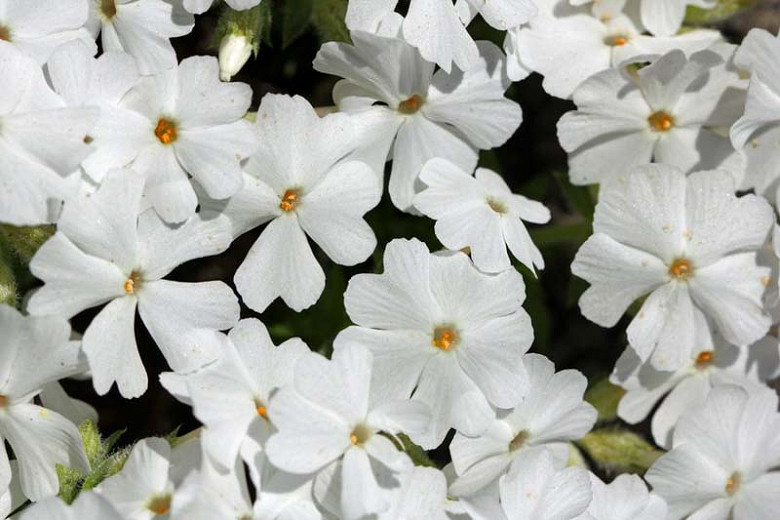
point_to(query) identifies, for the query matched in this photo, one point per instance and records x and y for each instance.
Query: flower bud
(234, 52)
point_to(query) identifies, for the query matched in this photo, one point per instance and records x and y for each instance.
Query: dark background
(533, 164)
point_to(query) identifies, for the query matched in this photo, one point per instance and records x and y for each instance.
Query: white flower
(201, 6)
(450, 116)
(104, 253)
(665, 17)
(141, 28)
(328, 424)
(534, 489)
(299, 181)
(443, 330)
(150, 482)
(756, 133)
(84, 81)
(422, 495)
(500, 14)
(725, 459)
(568, 45)
(230, 396)
(87, 506)
(40, 142)
(37, 27)
(36, 351)
(54, 397)
(189, 122)
(711, 363)
(12, 497)
(625, 498)
(282, 495)
(676, 113)
(234, 52)
(480, 212)
(690, 245)
(551, 414)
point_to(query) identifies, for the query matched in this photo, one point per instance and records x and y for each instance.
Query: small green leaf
(90, 438)
(296, 19)
(416, 453)
(328, 18)
(605, 397)
(619, 451)
(25, 241)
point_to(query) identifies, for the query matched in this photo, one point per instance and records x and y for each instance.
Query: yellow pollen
(519, 440)
(705, 359)
(496, 205)
(261, 409)
(108, 8)
(681, 269)
(290, 200)
(132, 283)
(411, 105)
(733, 483)
(359, 435)
(660, 121)
(616, 40)
(444, 337)
(3, 401)
(5, 33)
(160, 504)
(166, 131)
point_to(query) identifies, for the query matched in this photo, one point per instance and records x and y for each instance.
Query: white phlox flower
(567, 44)
(535, 489)
(189, 123)
(480, 212)
(54, 397)
(443, 331)
(551, 414)
(282, 495)
(690, 244)
(201, 6)
(84, 81)
(234, 51)
(712, 363)
(37, 27)
(421, 496)
(756, 133)
(103, 252)
(625, 498)
(329, 424)
(151, 482)
(230, 396)
(141, 28)
(725, 459)
(301, 182)
(12, 497)
(432, 113)
(677, 111)
(41, 142)
(87, 506)
(33, 352)
(660, 17)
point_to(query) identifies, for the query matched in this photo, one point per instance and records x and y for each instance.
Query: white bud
(234, 52)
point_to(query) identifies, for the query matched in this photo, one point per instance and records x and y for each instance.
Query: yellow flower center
(705, 359)
(261, 408)
(108, 8)
(681, 269)
(359, 435)
(519, 440)
(166, 131)
(733, 483)
(444, 337)
(133, 283)
(411, 105)
(3, 401)
(5, 33)
(616, 40)
(290, 200)
(660, 121)
(160, 504)
(496, 205)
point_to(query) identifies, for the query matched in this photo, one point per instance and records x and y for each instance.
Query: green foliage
(724, 9)
(104, 462)
(605, 397)
(296, 19)
(25, 241)
(254, 24)
(328, 18)
(619, 451)
(416, 453)
(8, 294)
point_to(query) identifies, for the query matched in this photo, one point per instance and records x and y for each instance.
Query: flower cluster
(143, 162)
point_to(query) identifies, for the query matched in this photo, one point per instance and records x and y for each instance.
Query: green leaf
(561, 233)
(724, 8)
(619, 451)
(297, 18)
(25, 241)
(328, 18)
(416, 453)
(90, 438)
(579, 197)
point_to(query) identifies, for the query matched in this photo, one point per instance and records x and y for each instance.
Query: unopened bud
(234, 52)
(619, 451)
